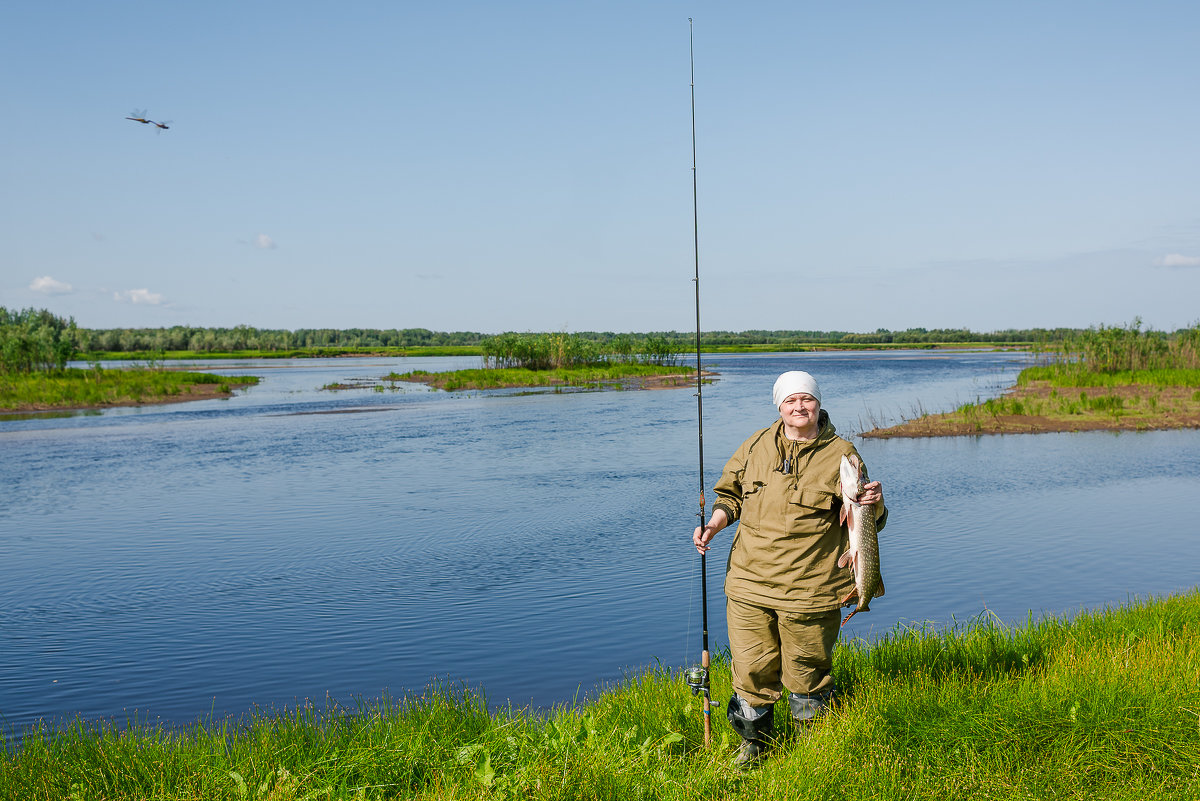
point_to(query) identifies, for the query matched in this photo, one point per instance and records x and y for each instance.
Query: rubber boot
(756, 725)
(807, 708)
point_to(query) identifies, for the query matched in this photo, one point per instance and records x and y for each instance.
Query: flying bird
(140, 116)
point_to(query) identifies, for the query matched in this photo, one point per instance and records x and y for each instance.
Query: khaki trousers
(773, 649)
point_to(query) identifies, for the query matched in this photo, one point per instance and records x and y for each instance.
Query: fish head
(851, 476)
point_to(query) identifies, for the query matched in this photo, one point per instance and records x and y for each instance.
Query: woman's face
(799, 412)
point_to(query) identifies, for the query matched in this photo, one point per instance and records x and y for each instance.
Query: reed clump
(1102, 706)
(1115, 350)
(546, 351)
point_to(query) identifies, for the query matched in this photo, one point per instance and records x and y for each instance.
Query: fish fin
(853, 594)
(880, 592)
(843, 514)
(846, 559)
(847, 618)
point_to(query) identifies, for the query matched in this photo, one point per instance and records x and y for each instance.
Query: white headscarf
(792, 382)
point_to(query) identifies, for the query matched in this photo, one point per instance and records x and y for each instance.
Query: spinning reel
(697, 678)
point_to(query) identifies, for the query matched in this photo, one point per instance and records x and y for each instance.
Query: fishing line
(692, 586)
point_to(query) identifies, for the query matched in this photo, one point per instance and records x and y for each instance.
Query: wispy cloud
(50, 286)
(138, 296)
(1177, 260)
(260, 241)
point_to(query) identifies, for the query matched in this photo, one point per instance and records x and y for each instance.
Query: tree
(35, 339)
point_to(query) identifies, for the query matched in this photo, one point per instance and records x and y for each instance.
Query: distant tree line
(883, 336)
(244, 337)
(880, 336)
(36, 339)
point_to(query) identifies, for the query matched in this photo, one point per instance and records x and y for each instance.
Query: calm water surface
(200, 559)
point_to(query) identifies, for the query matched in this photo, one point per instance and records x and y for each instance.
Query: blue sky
(527, 166)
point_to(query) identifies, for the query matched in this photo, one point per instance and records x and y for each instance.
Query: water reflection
(49, 415)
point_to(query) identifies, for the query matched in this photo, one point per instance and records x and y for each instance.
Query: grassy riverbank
(1111, 379)
(76, 388)
(1064, 398)
(611, 376)
(1104, 706)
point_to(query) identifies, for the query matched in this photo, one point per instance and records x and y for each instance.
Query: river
(194, 561)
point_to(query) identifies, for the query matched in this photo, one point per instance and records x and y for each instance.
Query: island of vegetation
(1119, 378)
(35, 347)
(1102, 706)
(566, 361)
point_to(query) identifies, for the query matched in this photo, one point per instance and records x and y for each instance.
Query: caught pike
(864, 544)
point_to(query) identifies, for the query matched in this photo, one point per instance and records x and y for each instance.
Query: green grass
(1077, 394)
(510, 377)
(75, 388)
(1057, 405)
(1062, 375)
(1104, 706)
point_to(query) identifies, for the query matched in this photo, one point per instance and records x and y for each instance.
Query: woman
(783, 586)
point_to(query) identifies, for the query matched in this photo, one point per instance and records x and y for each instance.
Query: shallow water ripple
(176, 562)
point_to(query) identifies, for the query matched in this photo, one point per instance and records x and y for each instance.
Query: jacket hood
(825, 428)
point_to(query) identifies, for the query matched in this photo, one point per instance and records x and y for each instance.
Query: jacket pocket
(812, 511)
(752, 495)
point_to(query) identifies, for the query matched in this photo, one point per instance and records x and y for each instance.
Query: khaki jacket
(784, 555)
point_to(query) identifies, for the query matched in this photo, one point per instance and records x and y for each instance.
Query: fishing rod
(697, 677)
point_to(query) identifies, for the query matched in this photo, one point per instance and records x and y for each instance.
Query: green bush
(35, 339)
